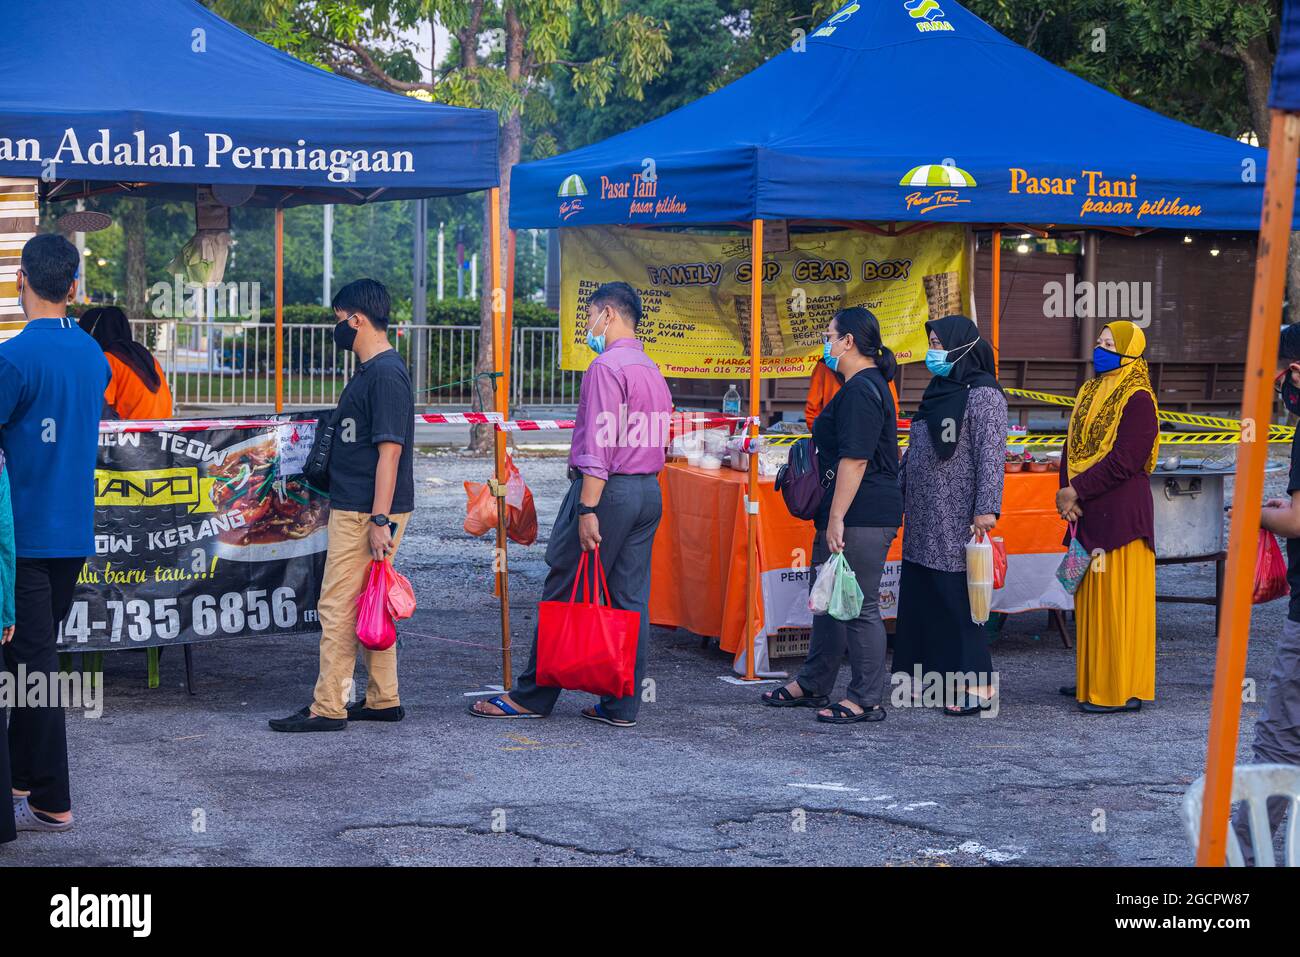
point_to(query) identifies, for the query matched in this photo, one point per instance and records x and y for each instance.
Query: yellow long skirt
(1115, 613)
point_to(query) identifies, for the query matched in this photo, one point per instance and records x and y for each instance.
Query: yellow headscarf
(1095, 421)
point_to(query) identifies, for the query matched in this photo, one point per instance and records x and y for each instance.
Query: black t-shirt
(1293, 544)
(376, 406)
(861, 423)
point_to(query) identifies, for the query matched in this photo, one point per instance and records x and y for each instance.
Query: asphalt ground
(707, 777)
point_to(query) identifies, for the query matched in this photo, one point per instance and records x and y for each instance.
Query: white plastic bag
(979, 576)
(819, 599)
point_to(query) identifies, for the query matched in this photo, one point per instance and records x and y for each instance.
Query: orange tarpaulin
(698, 564)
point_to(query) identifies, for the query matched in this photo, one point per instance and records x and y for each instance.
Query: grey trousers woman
(865, 549)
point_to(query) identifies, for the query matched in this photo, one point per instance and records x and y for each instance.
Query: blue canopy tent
(161, 97)
(175, 96)
(900, 110)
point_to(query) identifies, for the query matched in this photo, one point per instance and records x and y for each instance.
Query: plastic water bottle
(731, 401)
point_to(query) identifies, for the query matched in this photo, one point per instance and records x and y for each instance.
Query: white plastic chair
(1254, 784)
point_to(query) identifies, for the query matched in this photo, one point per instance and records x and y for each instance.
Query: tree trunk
(131, 215)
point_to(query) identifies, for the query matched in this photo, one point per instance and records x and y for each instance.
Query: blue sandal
(510, 712)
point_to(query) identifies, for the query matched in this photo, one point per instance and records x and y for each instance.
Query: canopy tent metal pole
(996, 304)
(499, 347)
(279, 309)
(1088, 321)
(751, 499)
(1261, 357)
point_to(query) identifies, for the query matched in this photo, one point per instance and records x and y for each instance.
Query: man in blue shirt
(52, 382)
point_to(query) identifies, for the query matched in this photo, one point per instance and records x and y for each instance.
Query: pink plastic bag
(401, 596)
(375, 627)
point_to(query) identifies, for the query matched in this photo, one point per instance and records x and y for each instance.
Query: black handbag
(317, 467)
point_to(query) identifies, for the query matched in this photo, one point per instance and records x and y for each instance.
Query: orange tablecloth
(698, 572)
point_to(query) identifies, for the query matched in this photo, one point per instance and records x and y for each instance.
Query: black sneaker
(357, 711)
(304, 720)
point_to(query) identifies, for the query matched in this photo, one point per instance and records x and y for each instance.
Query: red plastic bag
(999, 562)
(584, 645)
(375, 627)
(401, 596)
(1270, 570)
(521, 513)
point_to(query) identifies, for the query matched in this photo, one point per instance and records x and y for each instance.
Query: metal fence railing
(229, 363)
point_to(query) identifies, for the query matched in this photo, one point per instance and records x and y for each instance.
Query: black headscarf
(944, 404)
(109, 327)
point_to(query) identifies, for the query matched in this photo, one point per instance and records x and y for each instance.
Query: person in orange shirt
(821, 390)
(138, 389)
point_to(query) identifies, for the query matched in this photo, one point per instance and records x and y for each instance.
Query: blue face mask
(936, 360)
(940, 361)
(1103, 360)
(830, 360)
(596, 343)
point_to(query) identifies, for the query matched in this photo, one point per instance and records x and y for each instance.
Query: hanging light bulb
(1187, 240)
(1023, 248)
(1214, 250)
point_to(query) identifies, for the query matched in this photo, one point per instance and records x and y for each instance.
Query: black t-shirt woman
(857, 435)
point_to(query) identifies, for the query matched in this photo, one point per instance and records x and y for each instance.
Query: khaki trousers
(347, 564)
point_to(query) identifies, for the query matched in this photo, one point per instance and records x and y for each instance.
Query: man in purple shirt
(614, 462)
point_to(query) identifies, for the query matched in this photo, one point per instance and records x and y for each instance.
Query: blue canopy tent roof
(903, 110)
(166, 93)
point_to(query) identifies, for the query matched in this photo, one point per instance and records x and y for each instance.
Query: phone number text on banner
(200, 535)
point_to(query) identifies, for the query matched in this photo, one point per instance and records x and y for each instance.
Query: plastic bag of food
(979, 576)
(375, 627)
(999, 563)
(401, 596)
(819, 599)
(1270, 570)
(846, 595)
(521, 513)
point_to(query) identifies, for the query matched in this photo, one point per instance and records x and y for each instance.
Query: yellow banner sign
(153, 488)
(695, 294)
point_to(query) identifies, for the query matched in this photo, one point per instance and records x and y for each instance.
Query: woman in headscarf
(1109, 454)
(952, 486)
(138, 389)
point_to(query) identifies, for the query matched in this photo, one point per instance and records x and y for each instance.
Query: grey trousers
(628, 514)
(1277, 732)
(864, 637)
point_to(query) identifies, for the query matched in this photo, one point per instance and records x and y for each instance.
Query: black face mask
(1290, 395)
(344, 335)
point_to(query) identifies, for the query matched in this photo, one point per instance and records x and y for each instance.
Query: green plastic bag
(846, 596)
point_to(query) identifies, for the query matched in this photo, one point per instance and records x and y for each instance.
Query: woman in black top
(856, 435)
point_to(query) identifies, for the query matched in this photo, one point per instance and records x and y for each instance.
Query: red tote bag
(584, 645)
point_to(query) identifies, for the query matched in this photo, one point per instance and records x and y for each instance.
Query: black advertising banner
(201, 534)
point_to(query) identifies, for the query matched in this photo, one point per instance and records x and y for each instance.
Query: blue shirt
(52, 382)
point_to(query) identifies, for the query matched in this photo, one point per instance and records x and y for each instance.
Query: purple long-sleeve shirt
(624, 414)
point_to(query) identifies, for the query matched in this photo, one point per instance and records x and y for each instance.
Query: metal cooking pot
(1188, 511)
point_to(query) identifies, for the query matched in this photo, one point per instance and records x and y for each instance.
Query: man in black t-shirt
(1277, 731)
(372, 495)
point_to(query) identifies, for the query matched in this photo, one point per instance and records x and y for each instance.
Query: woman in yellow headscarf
(1109, 454)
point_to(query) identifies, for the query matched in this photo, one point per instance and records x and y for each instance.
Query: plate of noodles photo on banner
(280, 515)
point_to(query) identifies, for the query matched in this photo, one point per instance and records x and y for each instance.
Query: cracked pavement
(708, 777)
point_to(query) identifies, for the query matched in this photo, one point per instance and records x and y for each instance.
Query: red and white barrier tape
(699, 419)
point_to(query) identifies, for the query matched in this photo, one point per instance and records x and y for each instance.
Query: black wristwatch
(586, 509)
(380, 520)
